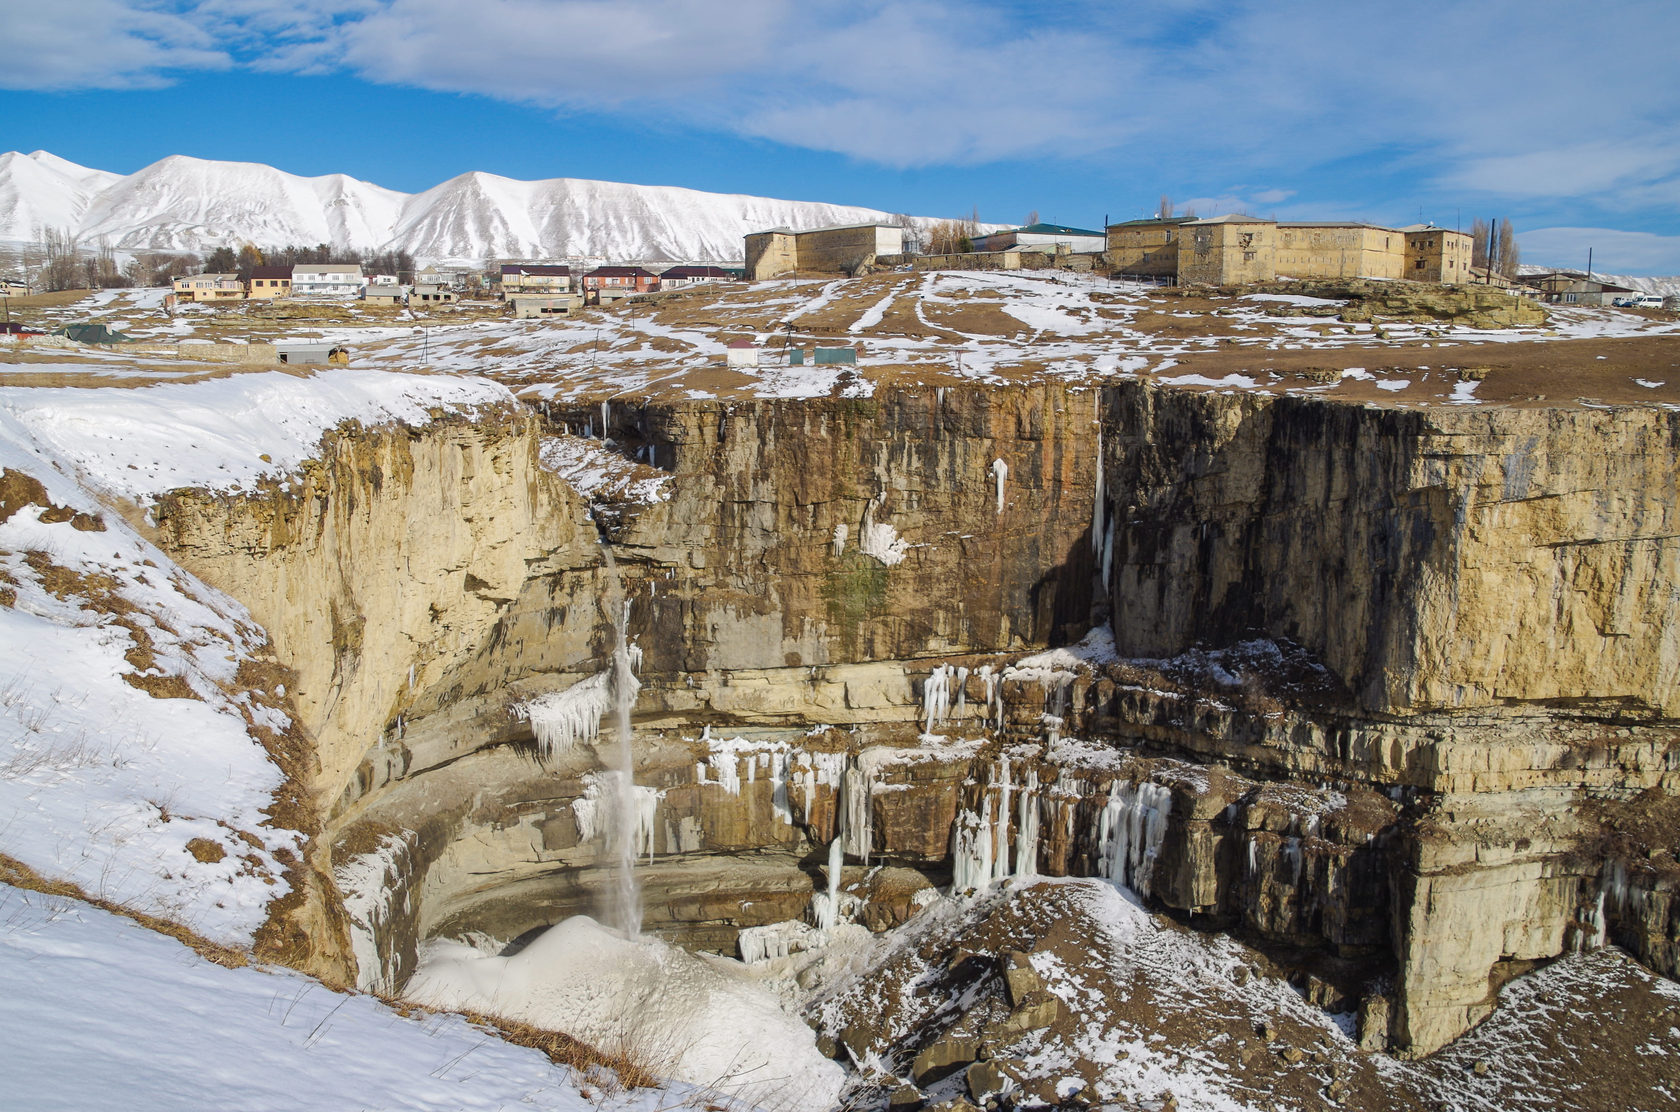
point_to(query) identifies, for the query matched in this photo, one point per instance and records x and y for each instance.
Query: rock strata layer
(1395, 691)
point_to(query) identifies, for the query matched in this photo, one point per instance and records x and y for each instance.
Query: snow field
(131, 756)
(101, 1013)
(688, 1018)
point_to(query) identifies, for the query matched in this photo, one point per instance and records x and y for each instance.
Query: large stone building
(1230, 250)
(838, 250)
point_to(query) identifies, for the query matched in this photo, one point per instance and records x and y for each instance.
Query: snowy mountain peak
(182, 203)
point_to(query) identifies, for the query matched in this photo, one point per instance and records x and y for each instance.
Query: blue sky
(1563, 118)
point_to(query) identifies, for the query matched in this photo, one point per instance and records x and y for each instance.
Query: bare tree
(946, 237)
(914, 241)
(60, 254)
(1164, 212)
(1508, 257)
(1032, 217)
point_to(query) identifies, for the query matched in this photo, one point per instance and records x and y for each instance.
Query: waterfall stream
(627, 895)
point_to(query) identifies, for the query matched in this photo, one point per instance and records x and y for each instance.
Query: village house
(429, 294)
(1437, 254)
(1233, 249)
(609, 283)
(209, 288)
(678, 277)
(1572, 287)
(535, 278)
(384, 293)
(1146, 248)
(842, 249)
(269, 282)
(343, 280)
(1043, 237)
(534, 306)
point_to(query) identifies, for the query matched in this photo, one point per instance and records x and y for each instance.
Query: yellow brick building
(1230, 250)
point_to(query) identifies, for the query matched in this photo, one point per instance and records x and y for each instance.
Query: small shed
(823, 355)
(431, 294)
(743, 353)
(536, 306)
(312, 354)
(91, 334)
(383, 294)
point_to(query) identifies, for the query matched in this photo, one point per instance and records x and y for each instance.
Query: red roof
(620, 272)
(697, 272)
(268, 272)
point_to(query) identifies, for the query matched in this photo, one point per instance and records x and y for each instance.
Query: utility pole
(1589, 264)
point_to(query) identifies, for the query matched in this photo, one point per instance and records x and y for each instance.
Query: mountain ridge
(181, 203)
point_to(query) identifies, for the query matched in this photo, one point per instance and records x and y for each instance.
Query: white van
(1644, 301)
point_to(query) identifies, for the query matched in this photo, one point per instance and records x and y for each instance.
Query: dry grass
(55, 300)
(19, 875)
(632, 1069)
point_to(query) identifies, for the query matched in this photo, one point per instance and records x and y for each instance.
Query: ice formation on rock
(1129, 830)
(375, 888)
(560, 720)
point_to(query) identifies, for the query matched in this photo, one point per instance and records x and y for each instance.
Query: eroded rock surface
(1392, 693)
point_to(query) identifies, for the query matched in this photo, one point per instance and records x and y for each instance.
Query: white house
(327, 280)
(1043, 237)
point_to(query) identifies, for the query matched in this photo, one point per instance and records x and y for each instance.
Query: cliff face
(1419, 717)
(1446, 559)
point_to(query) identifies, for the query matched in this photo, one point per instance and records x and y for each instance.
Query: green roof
(1056, 230)
(92, 334)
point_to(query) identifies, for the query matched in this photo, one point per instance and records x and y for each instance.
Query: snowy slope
(186, 204)
(132, 761)
(41, 190)
(1666, 286)
(99, 1013)
(190, 204)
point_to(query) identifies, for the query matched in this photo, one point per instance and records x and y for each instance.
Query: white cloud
(1613, 251)
(583, 52)
(1491, 100)
(100, 44)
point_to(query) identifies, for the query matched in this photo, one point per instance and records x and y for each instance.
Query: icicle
(781, 766)
(1129, 833)
(989, 680)
(840, 538)
(962, 690)
(856, 788)
(971, 853)
(606, 422)
(936, 697)
(1026, 828)
(562, 719)
(827, 904)
(1000, 472)
(1000, 829)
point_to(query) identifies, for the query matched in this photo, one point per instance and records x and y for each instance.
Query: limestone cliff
(1397, 688)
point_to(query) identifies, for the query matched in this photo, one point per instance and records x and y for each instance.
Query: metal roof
(1055, 230)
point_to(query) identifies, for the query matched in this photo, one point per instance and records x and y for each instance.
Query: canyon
(1390, 694)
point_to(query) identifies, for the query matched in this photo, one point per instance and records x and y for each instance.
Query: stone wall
(1482, 604)
(1452, 558)
(1340, 251)
(770, 255)
(1148, 250)
(1227, 253)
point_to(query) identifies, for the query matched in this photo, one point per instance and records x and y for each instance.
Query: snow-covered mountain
(190, 204)
(1668, 286)
(41, 190)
